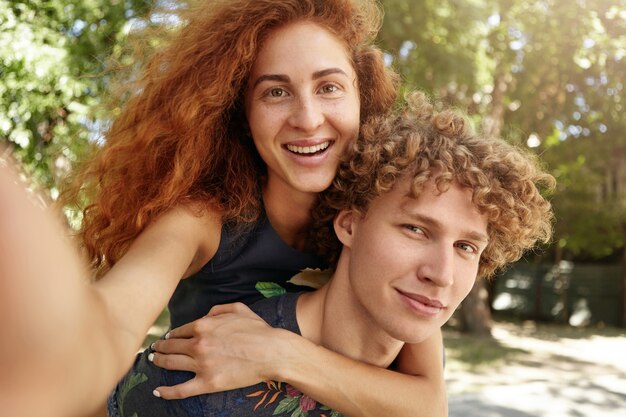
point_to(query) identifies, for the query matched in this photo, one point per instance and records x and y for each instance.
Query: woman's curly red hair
(181, 135)
(507, 183)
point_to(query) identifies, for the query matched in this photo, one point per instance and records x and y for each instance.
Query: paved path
(565, 377)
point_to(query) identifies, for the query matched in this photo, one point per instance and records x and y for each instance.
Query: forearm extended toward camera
(54, 333)
(66, 342)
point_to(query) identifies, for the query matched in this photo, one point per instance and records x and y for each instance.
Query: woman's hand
(231, 347)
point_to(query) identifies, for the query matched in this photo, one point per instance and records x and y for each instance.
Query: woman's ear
(344, 225)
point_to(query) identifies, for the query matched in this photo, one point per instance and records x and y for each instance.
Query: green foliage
(549, 73)
(434, 44)
(52, 57)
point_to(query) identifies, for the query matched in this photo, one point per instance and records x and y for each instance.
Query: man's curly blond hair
(421, 142)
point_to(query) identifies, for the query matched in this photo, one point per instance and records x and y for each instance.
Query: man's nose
(438, 266)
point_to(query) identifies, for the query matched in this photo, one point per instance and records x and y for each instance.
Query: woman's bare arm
(138, 287)
(43, 301)
(62, 335)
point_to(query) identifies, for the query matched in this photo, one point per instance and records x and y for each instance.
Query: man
(419, 210)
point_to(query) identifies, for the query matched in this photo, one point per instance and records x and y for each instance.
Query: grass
(555, 331)
(467, 352)
(475, 353)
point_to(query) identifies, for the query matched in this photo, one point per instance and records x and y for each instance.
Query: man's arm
(233, 348)
(359, 390)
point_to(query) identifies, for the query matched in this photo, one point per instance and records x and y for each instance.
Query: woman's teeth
(308, 149)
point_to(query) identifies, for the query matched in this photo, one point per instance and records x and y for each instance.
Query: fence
(576, 294)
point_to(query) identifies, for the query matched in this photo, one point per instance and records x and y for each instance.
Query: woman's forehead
(295, 41)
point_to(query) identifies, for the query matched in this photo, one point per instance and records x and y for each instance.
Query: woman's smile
(308, 149)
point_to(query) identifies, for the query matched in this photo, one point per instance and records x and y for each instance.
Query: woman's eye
(329, 88)
(276, 92)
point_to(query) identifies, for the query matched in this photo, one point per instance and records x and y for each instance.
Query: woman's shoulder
(189, 219)
(198, 224)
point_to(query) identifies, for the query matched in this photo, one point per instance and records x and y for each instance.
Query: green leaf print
(300, 413)
(287, 405)
(333, 413)
(269, 289)
(129, 383)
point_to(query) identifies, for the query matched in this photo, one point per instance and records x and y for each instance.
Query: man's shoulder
(279, 311)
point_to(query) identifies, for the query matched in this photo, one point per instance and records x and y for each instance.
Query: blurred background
(548, 75)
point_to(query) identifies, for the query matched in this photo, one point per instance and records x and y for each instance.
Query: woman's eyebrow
(328, 71)
(285, 78)
(271, 77)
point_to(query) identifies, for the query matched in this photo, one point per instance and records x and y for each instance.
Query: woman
(216, 160)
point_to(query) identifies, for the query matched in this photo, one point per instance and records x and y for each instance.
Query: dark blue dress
(244, 258)
(251, 263)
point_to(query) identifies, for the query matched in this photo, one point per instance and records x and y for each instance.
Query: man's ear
(344, 224)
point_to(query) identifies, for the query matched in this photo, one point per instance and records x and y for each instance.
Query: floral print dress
(269, 398)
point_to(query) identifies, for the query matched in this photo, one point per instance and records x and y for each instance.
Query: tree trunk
(475, 310)
(475, 314)
(494, 121)
(624, 273)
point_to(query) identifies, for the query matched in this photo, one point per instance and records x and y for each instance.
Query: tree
(53, 55)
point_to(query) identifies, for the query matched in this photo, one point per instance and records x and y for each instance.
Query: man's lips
(422, 304)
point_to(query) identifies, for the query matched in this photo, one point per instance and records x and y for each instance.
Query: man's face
(412, 261)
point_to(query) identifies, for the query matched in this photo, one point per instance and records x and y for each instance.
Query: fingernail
(152, 346)
(151, 358)
(167, 335)
(156, 393)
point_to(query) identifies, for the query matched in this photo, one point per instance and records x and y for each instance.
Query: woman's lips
(310, 149)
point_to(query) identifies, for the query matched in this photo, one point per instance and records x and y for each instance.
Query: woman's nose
(307, 114)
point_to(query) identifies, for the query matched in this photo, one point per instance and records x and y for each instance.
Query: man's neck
(333, 318)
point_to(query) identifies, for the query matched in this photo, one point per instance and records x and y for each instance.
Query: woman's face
(302, 106)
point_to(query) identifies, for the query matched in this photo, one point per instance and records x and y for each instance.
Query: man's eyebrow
(471, 234)
(481, 237)
(271, 77)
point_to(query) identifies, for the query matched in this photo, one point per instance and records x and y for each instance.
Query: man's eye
(466, 247)
(414, 229)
